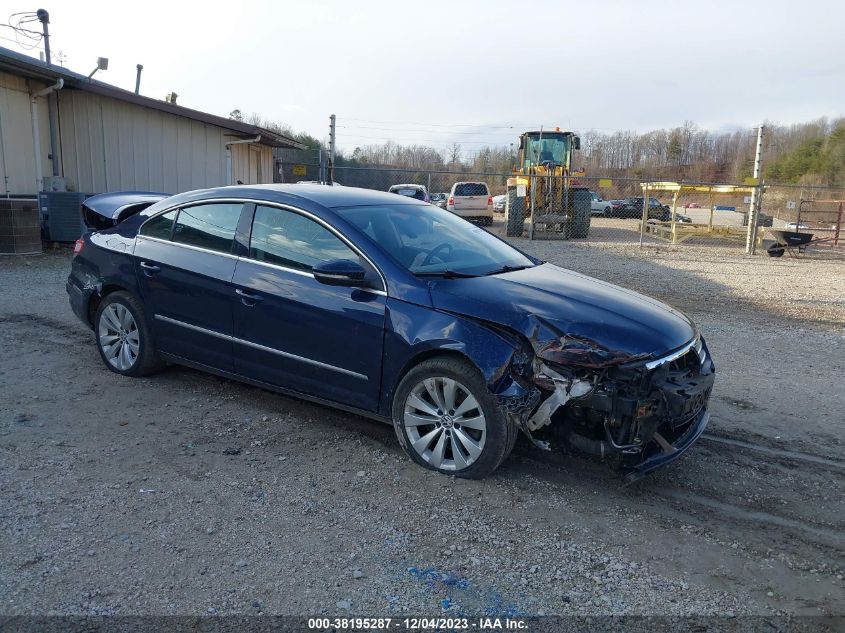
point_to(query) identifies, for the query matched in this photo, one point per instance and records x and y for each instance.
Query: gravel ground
(185, 493)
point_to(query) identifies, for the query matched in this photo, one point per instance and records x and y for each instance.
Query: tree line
(811, 153)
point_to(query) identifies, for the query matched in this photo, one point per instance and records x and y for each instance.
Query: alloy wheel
(118, 336)
(444, 423)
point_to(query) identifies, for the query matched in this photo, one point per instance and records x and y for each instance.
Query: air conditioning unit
(61, 216)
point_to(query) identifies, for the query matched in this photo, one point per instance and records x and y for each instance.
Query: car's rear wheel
(448, 421)
(123, 336)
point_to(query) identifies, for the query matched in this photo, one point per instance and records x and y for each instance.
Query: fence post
(429, 184)
(645, 211)
(756, 197)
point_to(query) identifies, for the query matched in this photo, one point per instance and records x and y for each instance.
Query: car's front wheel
(448, 421)
(123, 336)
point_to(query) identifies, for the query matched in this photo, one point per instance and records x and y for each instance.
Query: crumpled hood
(569, 317)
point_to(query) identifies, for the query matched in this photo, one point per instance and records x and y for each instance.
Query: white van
(472, 201)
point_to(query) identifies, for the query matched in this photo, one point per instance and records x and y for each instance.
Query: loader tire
(514, 212)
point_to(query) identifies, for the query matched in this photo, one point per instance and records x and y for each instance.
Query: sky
(434, 73)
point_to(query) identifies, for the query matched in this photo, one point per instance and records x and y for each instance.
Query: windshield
(550, 148)
(429, 240)
(471, 189)
(410, 192)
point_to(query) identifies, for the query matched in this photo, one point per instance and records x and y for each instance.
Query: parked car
(499, 203)
(633, 208)
(763, 219)
(599, 206)
(692, 205)
(615, 207)
(679, 217)
(394, 309)
(472, 201)
(418, 192)
(439, 199)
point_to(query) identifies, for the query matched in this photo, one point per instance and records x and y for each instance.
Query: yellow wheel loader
(542, 189)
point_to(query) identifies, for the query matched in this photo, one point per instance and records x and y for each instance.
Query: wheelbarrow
(791, 242)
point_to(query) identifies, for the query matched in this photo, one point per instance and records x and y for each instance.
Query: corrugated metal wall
(252, 164)
(112, 145)
(17, 155)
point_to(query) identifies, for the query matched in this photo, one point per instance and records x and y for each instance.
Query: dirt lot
(184, 493)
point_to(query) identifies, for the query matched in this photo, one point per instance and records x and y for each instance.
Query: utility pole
(52, 107)
(44, 18)
(756, 196)
(332, 144)
(138, 68)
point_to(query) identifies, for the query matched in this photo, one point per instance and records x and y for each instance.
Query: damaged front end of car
(645, 409)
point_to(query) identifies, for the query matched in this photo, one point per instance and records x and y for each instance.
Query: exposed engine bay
(644, 410)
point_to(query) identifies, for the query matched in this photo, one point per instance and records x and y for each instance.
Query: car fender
(106, 263)
(414, 333)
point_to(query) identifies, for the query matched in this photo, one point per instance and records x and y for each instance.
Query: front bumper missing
(647, 414)
(668, 453)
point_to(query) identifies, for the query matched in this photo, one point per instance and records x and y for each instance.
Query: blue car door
(295, 332)
(184, 264)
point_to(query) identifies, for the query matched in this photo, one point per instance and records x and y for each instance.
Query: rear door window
(210, 226)
(159, 226)
(471, 189)
(291, 240)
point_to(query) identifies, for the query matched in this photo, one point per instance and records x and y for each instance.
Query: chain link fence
(642, 211)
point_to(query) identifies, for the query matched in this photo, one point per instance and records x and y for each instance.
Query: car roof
(324, 195)
(407, 186)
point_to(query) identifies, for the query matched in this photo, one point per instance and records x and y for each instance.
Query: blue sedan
(394, 309)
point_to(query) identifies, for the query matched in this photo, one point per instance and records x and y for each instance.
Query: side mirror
(339, 272)
(576, 142)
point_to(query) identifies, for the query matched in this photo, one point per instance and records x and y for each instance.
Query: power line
(425, 124)
(24, 46)
(403, 130)
(384, 139)
(20, 29)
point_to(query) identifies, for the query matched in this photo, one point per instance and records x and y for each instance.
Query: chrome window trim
(188, 246)
(304, 273)
(278, 205)
(264, 348)
(693, 344)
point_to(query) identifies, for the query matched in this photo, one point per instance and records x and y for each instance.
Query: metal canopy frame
(688, 231)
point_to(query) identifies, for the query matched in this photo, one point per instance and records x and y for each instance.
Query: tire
(582, 217)
(445, 442)
(775, 251)
(124, 338)
(607, 212)
(515, 214)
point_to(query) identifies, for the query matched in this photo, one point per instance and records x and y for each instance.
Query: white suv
(471, 201)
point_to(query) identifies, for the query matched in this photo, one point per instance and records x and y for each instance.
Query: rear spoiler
(106, 210)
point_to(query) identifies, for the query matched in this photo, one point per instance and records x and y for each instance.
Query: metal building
(110, 139)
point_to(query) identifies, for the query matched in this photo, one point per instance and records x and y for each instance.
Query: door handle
(149, 268)
(247, 298)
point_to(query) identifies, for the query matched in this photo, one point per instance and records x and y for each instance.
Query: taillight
(451, 200)
(78, 246)
(489, 201)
